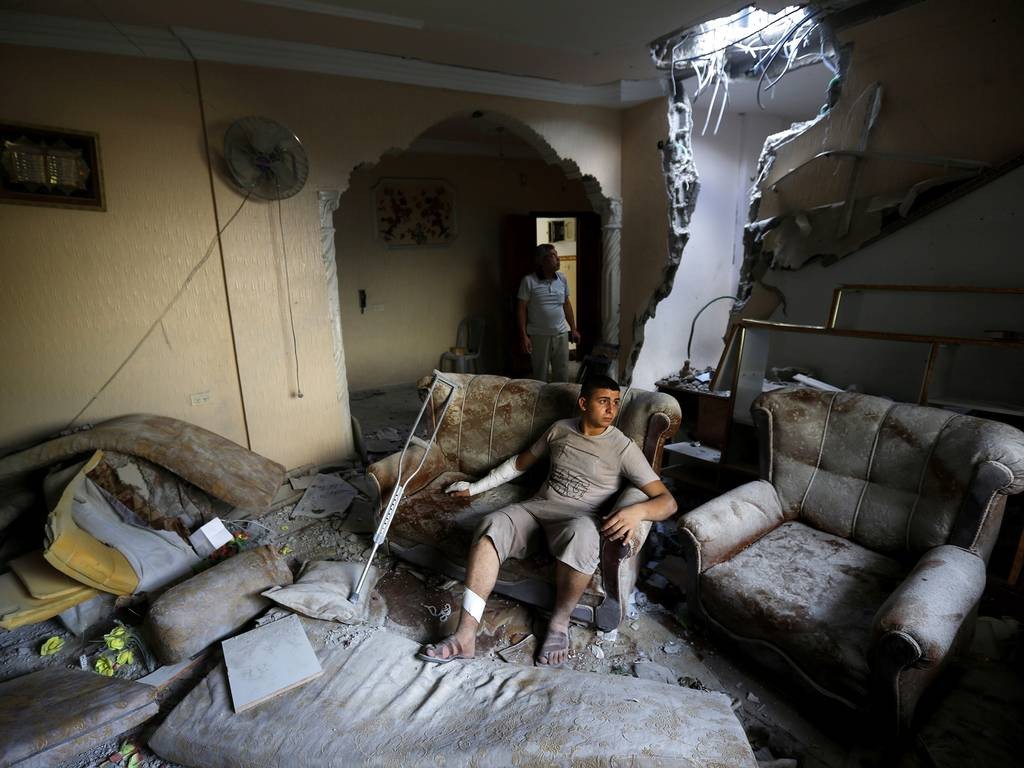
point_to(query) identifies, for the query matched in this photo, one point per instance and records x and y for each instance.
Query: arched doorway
(401, 299)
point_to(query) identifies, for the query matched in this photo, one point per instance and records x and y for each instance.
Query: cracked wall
(928, 132)
(932, 79)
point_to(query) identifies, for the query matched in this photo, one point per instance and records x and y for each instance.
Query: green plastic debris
(104, 666)
(51, 646)
(117, 638)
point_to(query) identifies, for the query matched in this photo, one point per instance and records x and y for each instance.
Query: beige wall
(644, 214)
(417, 296)
(78, 288)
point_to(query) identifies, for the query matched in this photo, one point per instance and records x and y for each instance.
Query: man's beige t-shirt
(587, 471)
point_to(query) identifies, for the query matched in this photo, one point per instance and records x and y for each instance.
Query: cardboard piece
(268, 661)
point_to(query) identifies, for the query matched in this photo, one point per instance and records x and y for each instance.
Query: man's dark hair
(539, 253)
(595, 382)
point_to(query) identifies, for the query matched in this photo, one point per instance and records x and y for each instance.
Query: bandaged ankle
(473, 604)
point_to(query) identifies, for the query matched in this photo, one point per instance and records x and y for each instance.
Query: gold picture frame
(55, 167)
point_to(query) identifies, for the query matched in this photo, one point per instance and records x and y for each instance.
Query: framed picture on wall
(50, 166)
(414, 212)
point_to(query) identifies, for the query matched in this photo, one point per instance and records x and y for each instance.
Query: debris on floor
(326, 495)
(214, 604)
(657, 644)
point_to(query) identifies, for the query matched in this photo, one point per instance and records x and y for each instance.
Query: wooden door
(518, 241)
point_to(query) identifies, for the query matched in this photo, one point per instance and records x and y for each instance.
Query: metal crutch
(400, 484)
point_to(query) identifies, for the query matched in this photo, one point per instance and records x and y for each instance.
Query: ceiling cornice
(182, 43)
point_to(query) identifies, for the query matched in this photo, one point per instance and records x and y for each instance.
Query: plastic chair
(468, 342)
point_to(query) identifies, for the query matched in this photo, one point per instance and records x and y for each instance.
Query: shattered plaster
(682, 185)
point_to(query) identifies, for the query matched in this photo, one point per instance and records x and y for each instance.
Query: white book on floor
(268, 661)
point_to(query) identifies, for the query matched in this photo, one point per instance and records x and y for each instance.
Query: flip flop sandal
(549, 647)
(422, 655)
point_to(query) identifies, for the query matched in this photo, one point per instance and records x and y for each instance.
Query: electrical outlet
(200, 398)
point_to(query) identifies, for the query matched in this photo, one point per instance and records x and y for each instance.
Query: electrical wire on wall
(149, 331)
(288, 291)
(693, 324)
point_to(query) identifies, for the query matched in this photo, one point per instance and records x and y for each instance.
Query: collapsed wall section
(682, 186)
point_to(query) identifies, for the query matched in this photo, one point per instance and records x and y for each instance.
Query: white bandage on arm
(500, 475)
(473, 604)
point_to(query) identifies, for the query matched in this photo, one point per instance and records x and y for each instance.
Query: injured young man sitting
(589, 460)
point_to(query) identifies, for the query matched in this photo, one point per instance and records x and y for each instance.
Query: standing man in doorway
(546, 321)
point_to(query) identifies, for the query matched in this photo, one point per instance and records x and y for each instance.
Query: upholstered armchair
(859, 559)
(492, 418)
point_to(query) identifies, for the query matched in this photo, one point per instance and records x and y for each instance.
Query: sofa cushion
(809, 594)
(890, 476)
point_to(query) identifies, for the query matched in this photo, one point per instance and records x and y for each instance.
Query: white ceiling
(587, 45)
(592, 42)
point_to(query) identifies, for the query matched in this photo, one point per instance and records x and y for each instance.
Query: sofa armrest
(922, 618)
(735, 520)
(619, 565)
(385, 472)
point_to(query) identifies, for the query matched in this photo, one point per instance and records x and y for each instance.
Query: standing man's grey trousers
(550, 351)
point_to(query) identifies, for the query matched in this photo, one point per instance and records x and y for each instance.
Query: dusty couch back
(493, 417)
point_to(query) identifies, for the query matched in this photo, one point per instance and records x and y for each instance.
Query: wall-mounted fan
(265, 158)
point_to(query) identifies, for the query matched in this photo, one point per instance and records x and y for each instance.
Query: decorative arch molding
(609, 208)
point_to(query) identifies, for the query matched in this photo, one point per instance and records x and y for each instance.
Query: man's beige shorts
(520, 530)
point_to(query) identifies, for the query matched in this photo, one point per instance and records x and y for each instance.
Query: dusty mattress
(377, 705)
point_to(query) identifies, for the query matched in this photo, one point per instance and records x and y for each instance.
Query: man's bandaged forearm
(500, 475)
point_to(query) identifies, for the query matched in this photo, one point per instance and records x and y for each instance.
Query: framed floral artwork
(414, 212)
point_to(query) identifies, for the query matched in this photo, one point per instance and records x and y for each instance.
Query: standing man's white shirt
(545, 317)
(545, 302)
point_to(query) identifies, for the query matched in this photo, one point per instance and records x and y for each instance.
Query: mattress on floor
(377, 705)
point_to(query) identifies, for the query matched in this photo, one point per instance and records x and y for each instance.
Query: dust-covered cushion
(213, 604)
(323, 590)
(811, 595)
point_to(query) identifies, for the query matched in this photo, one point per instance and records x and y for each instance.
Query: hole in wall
(737, 81)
